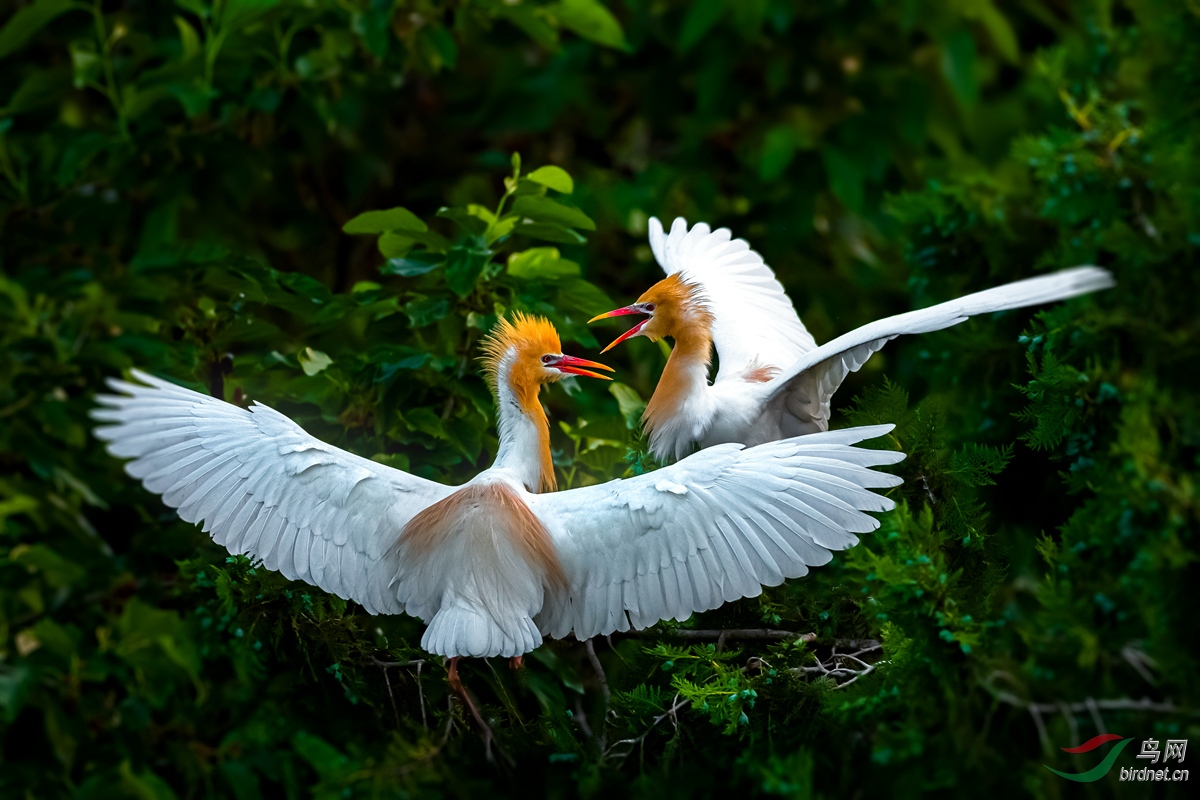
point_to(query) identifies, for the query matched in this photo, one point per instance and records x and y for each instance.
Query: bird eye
(547, 359)
(649, 306)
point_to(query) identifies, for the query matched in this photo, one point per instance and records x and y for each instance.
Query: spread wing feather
(264, 487)
(800, 396)
(737, 286)
(717, 526)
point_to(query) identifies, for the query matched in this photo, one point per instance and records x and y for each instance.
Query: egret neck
(523, 428)
(681, 397)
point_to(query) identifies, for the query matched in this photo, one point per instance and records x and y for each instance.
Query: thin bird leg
(516, 662)
(456, 685)
(454, 680)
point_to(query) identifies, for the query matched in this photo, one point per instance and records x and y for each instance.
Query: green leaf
(464, 219)
(16, 686)
(21, 504)
(329, 762)
(553, 177)
(541, 262)
(701, 17)
(313, 361)
(39, 558)
(591, 20)
(193, 96)
(198, 7)
(374, 26)
(395, 244)
(998, 28)
(629, 402)
(426, 311)
(28, 21)
(393, 219)
(543, 209)
(239, 13)
(444, 43)
(40, 88)
(500, 228)
(464, 264)
(958, 66)
(85, 63)
(566, 673)
(388, 369)
(549, 233)
(415, 264)
(527, 19)
(779, 148)
(845, 177)
(575, 296)
(188, 38)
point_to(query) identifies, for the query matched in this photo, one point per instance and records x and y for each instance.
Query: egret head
(672, 307)
(526, 352)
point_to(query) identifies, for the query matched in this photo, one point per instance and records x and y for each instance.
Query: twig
(1122, 704)
(615, 651)
(845, 673)
(421, 695)
(1035, 712)
(600, 676)
(1140, 661)
(676, 704)
(1090, 706)
(1096, 718)
(449, 719)
(1072, 723)
(749, 634)
(387, 680)
(744, 634)
(580, 716)
(418, 663)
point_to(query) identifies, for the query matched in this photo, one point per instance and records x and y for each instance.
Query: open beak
(621, 312)
(572, 366)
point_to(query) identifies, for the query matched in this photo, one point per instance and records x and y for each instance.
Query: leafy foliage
(316, 205)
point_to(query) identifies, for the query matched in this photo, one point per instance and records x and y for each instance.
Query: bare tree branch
(844, 668)
(418, 663)
(633, 743)
(751, 634)
(600, 676)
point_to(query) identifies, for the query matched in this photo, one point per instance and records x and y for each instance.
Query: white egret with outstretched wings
(492, 565)
(773, 381)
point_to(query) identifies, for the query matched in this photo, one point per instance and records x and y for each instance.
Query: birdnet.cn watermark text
(1175, 749)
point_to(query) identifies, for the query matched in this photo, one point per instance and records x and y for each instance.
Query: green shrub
(316, 205)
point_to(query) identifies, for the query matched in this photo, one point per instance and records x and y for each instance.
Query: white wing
(800, 396)
(264, 487)
(712, 528)
(739, 288)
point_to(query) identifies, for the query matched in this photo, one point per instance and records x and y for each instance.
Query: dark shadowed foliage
(323, 205)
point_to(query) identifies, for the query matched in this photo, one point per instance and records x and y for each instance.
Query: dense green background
(174, 181)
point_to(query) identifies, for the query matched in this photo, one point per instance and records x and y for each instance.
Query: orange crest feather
(529, 335)
(529, 338)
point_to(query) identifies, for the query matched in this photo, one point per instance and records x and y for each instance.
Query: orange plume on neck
(681, 314)
(512, 353)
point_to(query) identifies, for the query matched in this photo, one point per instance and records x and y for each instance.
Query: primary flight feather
(773, 381)
(492, 565)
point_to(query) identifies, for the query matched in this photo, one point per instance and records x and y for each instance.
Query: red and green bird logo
(1100, 770)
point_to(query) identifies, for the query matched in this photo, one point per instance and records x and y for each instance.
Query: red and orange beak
(636, 308)
(571, 365)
